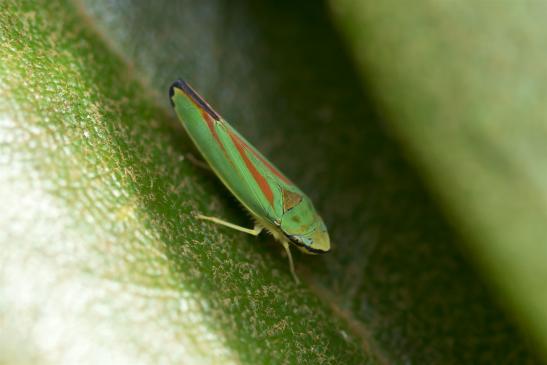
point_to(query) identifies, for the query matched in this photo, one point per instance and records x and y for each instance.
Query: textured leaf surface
(102, 260)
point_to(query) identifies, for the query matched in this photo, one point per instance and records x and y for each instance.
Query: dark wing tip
(179, 84)
(198, 100)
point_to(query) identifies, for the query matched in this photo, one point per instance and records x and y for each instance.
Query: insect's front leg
(291, 263)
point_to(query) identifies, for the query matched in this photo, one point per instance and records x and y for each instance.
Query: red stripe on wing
(242, 148)
(211, 125)
(270, 167)
(276, 172)
(207, 113)
(210, 115)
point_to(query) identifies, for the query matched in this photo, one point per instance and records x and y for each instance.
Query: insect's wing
(254, 181)
(265, 187)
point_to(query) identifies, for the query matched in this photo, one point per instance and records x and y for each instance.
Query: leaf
(102, 260)
(468, 101)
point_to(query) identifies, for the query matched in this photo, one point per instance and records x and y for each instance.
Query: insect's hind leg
(255, 231)
(197, 162)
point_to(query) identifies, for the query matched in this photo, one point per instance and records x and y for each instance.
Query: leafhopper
(275, 203)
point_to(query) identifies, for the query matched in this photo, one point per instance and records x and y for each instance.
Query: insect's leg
(255, 231)
(291, 263)
(197, 162)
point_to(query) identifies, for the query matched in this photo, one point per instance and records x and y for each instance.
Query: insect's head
(305, 229)
(313, 243)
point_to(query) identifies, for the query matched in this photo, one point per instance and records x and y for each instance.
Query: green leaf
(102, 260)
(467, 98)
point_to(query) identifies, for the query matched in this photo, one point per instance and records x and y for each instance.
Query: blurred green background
(418, 131)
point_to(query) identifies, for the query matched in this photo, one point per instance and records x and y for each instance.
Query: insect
(274, 202)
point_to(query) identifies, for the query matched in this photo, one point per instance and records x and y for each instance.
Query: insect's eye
(300, 240)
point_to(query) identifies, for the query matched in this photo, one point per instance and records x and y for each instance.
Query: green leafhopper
(275, 203)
